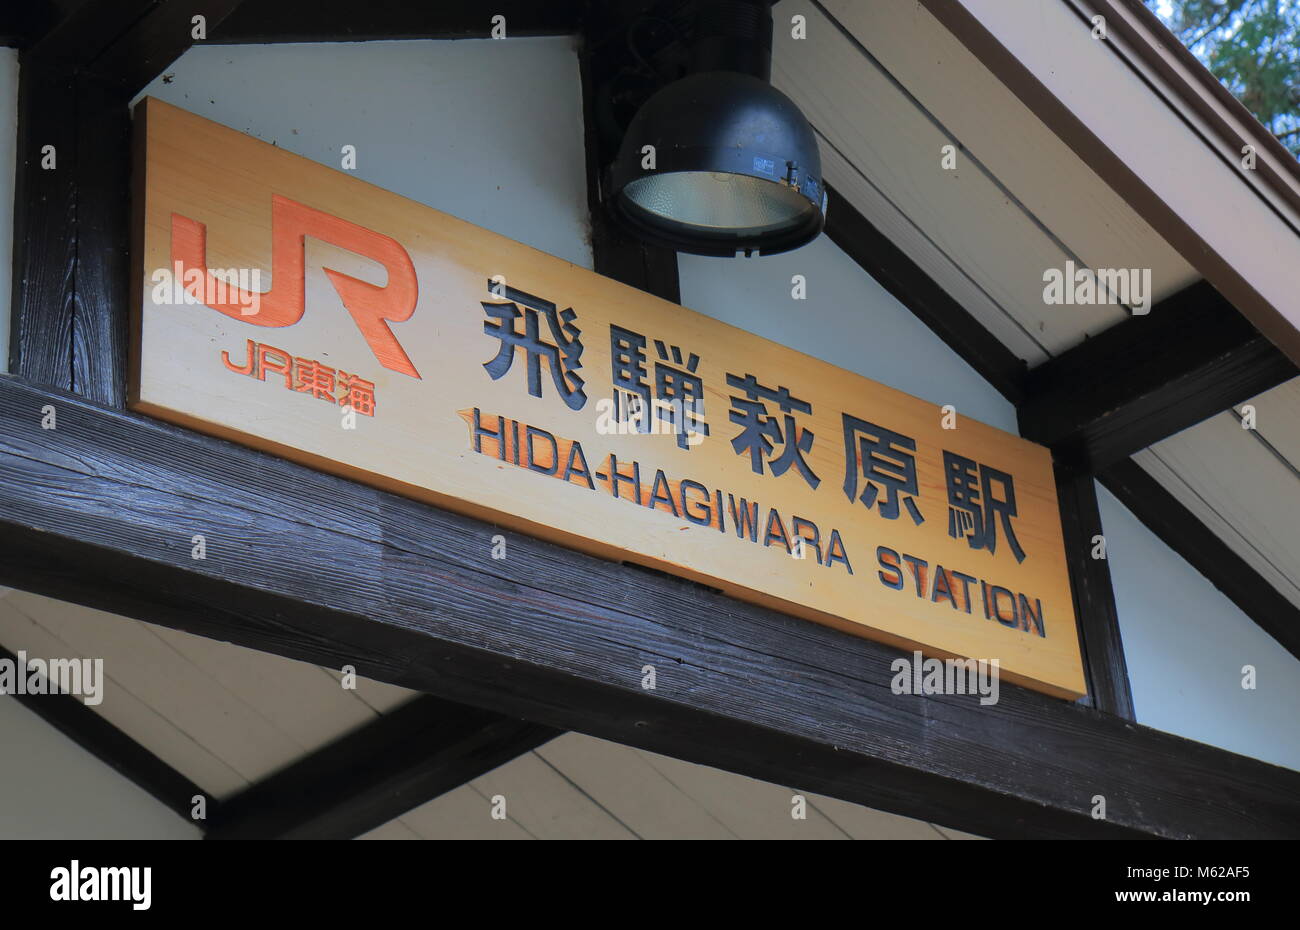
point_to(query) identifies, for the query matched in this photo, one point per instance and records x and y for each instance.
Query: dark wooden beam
(1191, 357)
(71, 226)
(75, 32)
(368, 777)
(125, 43)
(1184, 533)
(1094, 596)
(84, 726)
(347, 21)
(914, 289)
(23, 24)
(102, 510)
(615, 253)
(101, 272)
(45, 211)
(152, 41)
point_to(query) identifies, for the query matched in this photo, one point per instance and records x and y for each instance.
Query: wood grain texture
(856, 189)
(73, 33)
(184, 704)
(1243, 490)
(547, 804)
(653, 796)
(147, 44)
(135, 718)
(1241, 486)
(310, 566)
(124, 43)
(1094, 595)
(1277, 412)
(45, 244)
(421, 439)
(72, 221)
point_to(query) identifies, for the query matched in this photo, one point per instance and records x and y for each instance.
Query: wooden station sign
(287, 305)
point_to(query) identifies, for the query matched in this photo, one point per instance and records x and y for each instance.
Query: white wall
(51, 788)
(490, 131)
(1186, 643)
(847, 319)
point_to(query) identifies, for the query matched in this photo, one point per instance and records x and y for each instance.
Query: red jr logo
(373, 308)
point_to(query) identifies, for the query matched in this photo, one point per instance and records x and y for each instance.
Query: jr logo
(373, 308)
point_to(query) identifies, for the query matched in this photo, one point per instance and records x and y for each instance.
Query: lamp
(720, 162)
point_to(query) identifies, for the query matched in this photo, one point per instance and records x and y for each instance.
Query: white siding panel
(1186, 645)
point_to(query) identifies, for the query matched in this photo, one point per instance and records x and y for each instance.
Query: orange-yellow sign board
(290, 306)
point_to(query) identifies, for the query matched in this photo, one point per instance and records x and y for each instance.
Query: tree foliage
(1253, 47)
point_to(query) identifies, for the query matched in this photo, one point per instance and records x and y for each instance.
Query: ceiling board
(462, 814)
(621, 781)
(1240, 490)
(993, 125)
(276, 688)
(547, 804)
(121, 707)
(201, 707)
(882, 213)
(887, 90)
(1277, 419)
(576, 779)
(222, 715)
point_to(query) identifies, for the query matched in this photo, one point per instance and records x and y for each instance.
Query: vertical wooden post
(1094, 596)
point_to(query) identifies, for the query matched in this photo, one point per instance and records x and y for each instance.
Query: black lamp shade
(736, 169)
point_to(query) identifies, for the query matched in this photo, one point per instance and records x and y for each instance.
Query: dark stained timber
(99, 330)
(1094, 596)
(1152, 376)
(103, 510)
(71, 210)
(344, 21)
(45, 245)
